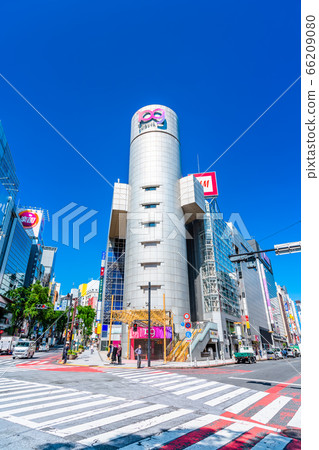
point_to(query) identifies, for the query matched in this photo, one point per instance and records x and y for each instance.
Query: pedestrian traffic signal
(135, 327)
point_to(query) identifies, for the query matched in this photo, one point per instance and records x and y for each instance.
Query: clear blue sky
(87, 67)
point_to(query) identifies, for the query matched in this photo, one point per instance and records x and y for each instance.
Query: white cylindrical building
(155, 238)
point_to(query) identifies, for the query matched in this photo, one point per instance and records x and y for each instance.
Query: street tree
(87, 315)
(19, 299)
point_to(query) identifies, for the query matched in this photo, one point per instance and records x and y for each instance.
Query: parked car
(44, 347)
(278, 354)
(23, 349)
(271, 354)
(291, 353)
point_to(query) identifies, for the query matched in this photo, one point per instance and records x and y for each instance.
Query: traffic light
(42, 307)
(76, 325)
(135, 327)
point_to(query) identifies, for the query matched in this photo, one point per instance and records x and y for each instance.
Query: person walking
(138, 353)
(119, 355)
(92, 349)
(114, 352)
(65, 353)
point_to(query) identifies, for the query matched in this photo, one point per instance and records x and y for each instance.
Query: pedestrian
(260, 353)
(109, 353)
(138, 353)
(114, 352)
(65, 353)
(92, 348)
(119, 355)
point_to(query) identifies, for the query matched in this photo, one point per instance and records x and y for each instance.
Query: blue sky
(87, 67)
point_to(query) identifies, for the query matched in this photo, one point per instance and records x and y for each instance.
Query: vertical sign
(99, 302)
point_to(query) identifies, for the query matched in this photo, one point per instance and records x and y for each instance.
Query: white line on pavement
(172, 434)
(12, 393)
(35, 393)
(296, 420)
(107, 420)
(134, 428)
(163, 377)
(165, 383)
(187, 383)
(226, 397)
(195, 388)
(243, 404)
(269, 411)
(45, 396)
(209, 392)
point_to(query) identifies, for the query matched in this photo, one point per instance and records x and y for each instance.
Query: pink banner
(156, 333)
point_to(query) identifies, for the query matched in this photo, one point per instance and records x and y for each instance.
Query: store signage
(158, 115)
(156, 333)
(209, 182)
(32, 220)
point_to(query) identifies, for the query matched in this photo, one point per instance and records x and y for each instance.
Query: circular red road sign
(188, 325)
(187, 316)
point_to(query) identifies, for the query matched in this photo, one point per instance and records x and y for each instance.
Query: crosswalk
(93, 419)
(258, 406)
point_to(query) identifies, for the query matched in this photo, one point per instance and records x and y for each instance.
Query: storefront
(140, 337)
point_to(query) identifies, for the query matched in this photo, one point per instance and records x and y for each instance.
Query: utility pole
(149, 327)
(67, 324)
(72, 323)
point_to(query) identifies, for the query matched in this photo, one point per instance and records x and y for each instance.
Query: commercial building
(48, 262)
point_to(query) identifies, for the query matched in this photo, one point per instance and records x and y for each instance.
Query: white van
(7, 344)
(23, 349)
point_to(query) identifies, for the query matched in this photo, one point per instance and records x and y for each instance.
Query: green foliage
(87, 315)
(19, 297)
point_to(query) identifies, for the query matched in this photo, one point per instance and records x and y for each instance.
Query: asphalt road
(148, 404)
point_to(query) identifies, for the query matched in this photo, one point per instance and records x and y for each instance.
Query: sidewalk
(100, 359)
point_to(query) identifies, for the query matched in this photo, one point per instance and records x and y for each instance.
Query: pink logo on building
(147, 115)
(29, 219)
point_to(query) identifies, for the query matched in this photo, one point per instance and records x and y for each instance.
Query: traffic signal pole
(67, 324)
(72, 323)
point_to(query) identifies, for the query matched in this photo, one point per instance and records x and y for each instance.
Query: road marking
(273, 441)
(269, 411)
(107, 420)
(133, 428)
(209, 392)
(165, 383)
(168, 377)
(264, 381)
(47, 404)
(63, 410)
(243, 404)
(17, 387)
(144, 375)
(172, 434)
(34, 394)
(222, 437)
(25, 390)
(44, 397)
(187, 383)
(226, 397)
(195, 388)
(296, 420)
(82, 415)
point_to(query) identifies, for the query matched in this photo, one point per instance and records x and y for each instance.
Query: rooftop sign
(209, 182)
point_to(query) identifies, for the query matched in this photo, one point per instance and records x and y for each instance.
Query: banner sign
(32, 221)
(156, 333)
(209, 182)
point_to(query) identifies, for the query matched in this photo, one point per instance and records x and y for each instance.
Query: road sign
(182, 324)
(188, 325)
(188, 334)
(187, 316)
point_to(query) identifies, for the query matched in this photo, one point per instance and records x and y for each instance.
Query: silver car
(23, 349)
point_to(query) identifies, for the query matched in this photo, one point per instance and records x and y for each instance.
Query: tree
(19, 299)
(87, 315)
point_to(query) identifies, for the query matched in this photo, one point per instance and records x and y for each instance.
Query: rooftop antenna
(198, 163)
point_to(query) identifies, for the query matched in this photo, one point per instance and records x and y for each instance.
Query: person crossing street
(138, 353)
(65, 353)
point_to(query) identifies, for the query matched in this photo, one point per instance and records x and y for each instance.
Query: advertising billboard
(209, 182)
(32, 221)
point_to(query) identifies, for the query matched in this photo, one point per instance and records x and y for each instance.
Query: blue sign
(182, 324)
(188, 334)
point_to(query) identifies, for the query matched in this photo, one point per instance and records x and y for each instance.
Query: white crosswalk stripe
(296, 420)
(194, 388)
(186, 383)
(269, 411)
(90, 419)
(172, 434)
(209, 392)
(222, 437)
(226, 397)
(133, 428)
(238, 407)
